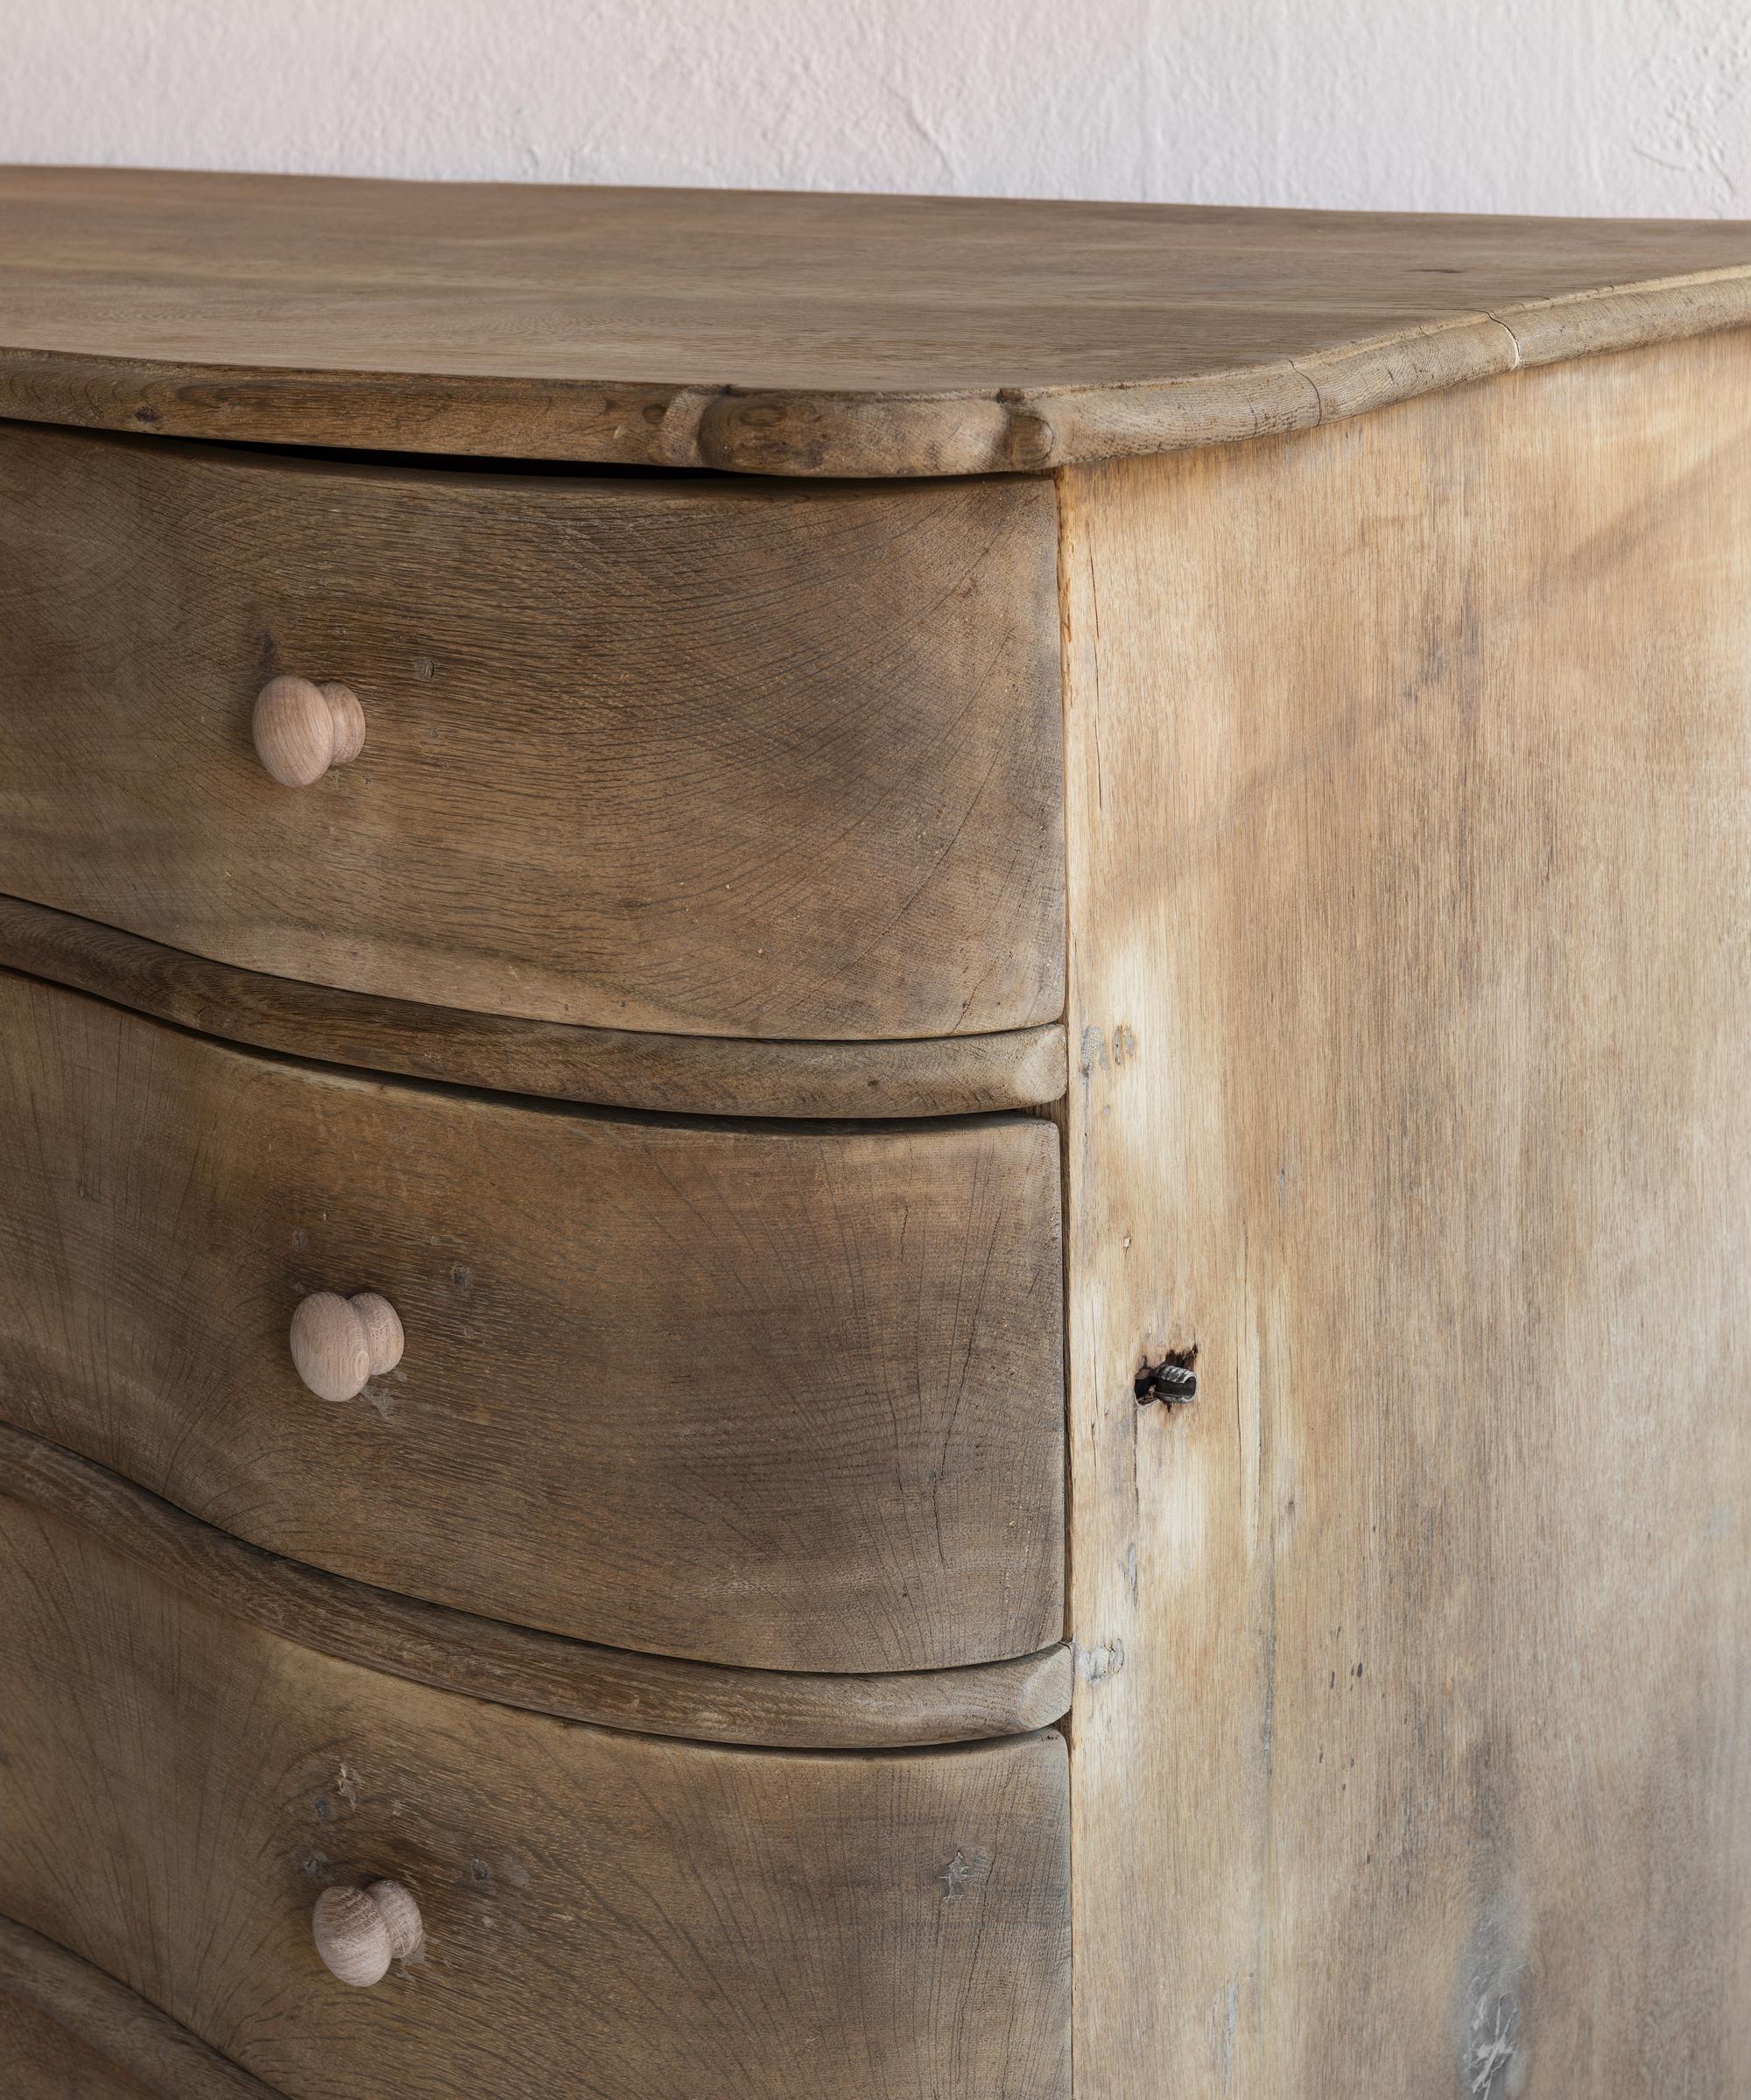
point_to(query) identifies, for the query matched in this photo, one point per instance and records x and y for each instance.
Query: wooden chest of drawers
(875, 1086)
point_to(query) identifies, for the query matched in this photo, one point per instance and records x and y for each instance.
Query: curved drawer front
(669, 754)
(43, 2062)
(763, 1395)
(602, 1913)
(70, 2031)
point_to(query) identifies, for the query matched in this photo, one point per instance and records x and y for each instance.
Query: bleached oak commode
(875, 1081)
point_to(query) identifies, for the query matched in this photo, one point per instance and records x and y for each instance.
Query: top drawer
(671, 753)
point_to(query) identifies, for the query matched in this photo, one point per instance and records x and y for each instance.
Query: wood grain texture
(604, 1914)
(515, 1666)
(673, 753)
(1409, 877)
(613, 1068)
(777, 1395)
(43, 2062)
(67, 2032)
(786, 335)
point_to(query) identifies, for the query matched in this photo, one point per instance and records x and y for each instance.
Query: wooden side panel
(1410, 880)
(669, 754)
(775, 1396)
(605, 1914)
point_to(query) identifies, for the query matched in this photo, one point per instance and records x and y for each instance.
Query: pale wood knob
(302, 728)
(339, 1344)
(359, 1931)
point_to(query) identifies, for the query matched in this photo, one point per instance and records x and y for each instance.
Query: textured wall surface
(1607, 106)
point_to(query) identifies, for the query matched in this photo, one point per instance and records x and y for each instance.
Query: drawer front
(69, 2031)
(674, 753)
(602, 1913)
(43, 2062)
(763, 1394)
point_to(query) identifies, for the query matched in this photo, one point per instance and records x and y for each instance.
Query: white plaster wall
(1591, 106)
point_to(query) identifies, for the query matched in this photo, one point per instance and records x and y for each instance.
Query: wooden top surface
(786, 333)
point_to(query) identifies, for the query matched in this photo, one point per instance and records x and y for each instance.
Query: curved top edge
(517, 1665)
(787, 334)
(548, 1060)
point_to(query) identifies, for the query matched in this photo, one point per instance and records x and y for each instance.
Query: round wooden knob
(302, 728)
(359, 1931)
(338, 1345)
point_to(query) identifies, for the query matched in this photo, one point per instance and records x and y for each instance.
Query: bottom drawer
(609, 1915)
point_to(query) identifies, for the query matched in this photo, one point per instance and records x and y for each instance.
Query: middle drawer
(765, 1394)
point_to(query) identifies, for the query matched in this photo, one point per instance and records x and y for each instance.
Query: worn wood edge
(606, 1068)
(612, 422)
(517, 1666)
(1628, 317)
(125, 2029)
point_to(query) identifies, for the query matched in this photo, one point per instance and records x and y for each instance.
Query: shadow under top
(794, 334)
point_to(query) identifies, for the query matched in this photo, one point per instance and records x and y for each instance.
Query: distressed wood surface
(545, 1672)
(604, 1913)
(67, 2032)
(667, 753)
(613, 1068)
(41, 2060)
(1410, 880)
(778, 1396)
(786, 335)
